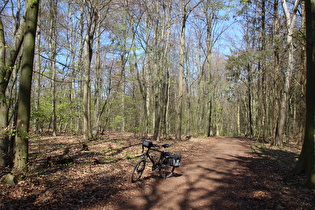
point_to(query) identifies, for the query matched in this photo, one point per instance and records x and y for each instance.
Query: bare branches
(3, 6)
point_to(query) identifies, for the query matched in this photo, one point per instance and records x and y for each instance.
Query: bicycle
(165, 164)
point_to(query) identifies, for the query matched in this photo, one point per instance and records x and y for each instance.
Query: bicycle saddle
(165, 145)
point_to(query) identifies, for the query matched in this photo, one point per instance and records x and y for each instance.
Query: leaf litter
(99, 176)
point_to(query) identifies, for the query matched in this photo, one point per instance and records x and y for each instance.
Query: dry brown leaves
(100, 175)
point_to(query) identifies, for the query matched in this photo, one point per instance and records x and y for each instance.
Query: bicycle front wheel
(138, 171)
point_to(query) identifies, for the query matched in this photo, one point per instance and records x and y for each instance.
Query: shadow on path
(225, 176)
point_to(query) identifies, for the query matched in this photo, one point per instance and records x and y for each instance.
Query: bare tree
(290, 23)
(185, 12)
(53, 54)
(92, 18)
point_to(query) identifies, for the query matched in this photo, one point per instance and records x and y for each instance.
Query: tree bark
(209, 14)
(273, 107)
(53, 55)
(24, 102)
(306, 160)
(4, 137)
(88, 52)
(180, 102)
(97, 111)
(249, 100)
(6, 69)
(37, 121)
(185, 12)
(290, 22)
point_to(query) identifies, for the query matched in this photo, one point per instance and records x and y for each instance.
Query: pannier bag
(147, 143)
(175, 160)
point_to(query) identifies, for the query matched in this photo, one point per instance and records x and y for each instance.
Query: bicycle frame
(147, 155)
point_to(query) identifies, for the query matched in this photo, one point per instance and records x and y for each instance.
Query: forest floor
(215, 173)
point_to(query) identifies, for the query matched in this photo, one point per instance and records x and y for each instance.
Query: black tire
(137, 171)
(166, 170)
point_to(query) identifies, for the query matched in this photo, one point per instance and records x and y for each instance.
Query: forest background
(183, 68)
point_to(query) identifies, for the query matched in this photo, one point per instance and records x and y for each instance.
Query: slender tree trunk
(53, 55)
(165, 62)
(145, 96)
(157, 102)
(24, 102)
(38, 83)
(249, 40)
(290, 22)
(249, 100)
(72, 86)
(97, 113)
(87, 89)
(262, 68)
(4, 137)
(180, 100)
(273, 106)
(157, 88)
(238, 119)
(209, 13)
(7, 63)
(185, 12)
(123, 60)
(88, 52)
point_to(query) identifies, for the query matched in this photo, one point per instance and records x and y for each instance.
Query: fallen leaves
(100, 175)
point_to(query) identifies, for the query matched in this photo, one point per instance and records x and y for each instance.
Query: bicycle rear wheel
(138, 171)
(166, 170)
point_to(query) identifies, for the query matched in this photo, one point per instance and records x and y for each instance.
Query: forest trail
(209, 178)
(216, 173)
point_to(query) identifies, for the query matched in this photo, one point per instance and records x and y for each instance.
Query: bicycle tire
(138, 170)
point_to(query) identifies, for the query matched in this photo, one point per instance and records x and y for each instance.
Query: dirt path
(208, 179)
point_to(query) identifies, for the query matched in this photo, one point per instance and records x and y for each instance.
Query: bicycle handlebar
(150, 146)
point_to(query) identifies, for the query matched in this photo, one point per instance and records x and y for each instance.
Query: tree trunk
(185, 12)
(273, 105)
(6, 69)
(53, 55)
(87, 89)
(88, 52)
(181, 71)
(38, 84)
(262, 68)
(158, 83)
(4, 137)
(306, 161)
(249, 101)
(290, 22)
(73, 89)
(144, 95)
(209, 42)
(97, 112)
(24, 102)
